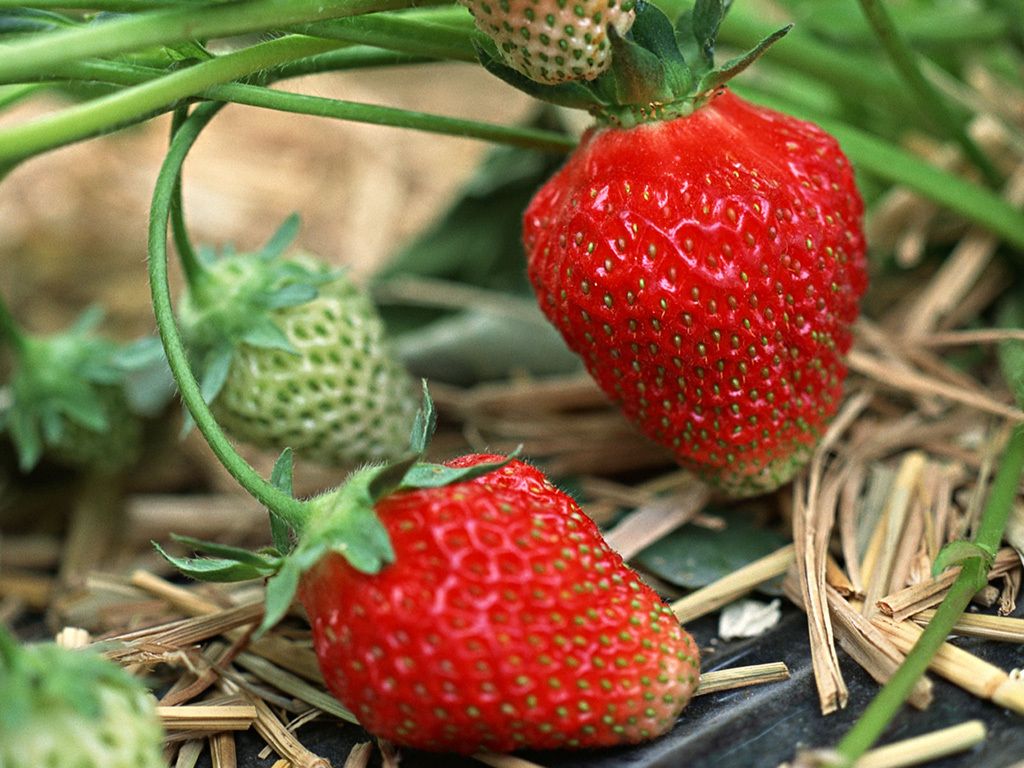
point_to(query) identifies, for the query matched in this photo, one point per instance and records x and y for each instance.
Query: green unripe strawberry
(294, 355)
(553, 41)
(73, 709)
(78, 398)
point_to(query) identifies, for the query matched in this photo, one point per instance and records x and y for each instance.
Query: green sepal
(704, 23)
(425, 475)
(957, 552)
(638, 76)
(281, 239)
(281, 589)
(659, 70)
(718, 77)
(424, 423)
(281, 533)
(232, 567)
(265, 333)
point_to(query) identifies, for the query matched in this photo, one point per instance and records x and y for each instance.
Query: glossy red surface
(708, 269)
(505, 622)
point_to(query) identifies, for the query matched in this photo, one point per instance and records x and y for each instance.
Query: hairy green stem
(41, 52)
(10, 329)
(186, 253)
(293, 511)
(98, 115)
(529, 138)
(440, 33)
(973, 576)
(929, 99)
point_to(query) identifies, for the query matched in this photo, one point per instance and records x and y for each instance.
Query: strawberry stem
(973, 577)
(27, 57)
(186, 253)
(98, 115)
(928, 97)
(291, 510)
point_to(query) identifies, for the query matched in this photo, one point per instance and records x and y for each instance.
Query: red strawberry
(708, 269)
(504, 622)
(703, 255)
(469, 605)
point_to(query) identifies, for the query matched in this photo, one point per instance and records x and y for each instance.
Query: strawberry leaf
(707, 18)
(424, 475)
(238, 554)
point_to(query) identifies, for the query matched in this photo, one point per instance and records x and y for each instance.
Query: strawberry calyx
(342, 520)
(75, 386)
(659, 71)
(231, 298)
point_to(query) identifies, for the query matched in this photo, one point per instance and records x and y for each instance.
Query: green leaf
(280, 240)
(281, 478)
(215, 373)
(1011, 353)
(694, 557)
(390, 477)
(424, 424)
(26, 438)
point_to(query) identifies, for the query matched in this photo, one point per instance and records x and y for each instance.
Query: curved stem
(255, 96)
(293, 511)
(10, 329)
(190, 264)
(40, 53)
(81, 121)
(973, 576)
(929, 99)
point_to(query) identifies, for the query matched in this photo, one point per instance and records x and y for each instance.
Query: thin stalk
(973, 577)
(113, 6)
(40, 53)
(12, 94)
(438, 34)
(929, 99)
(255, 96)
(190, 264)
(10, 329)
(99, 115)
(293, 511)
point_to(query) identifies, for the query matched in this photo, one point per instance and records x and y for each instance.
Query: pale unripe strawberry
(294, 355)
(73, 708)
(552, 41)
(339, 398)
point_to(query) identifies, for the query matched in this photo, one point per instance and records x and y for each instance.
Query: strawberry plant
(78, 398)
(293, 354)
(701, 249)
(68, 707)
